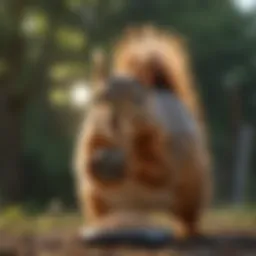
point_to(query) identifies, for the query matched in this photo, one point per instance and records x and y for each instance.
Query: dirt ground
(29, 245)
(228, 233)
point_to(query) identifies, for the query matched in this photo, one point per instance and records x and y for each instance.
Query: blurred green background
(45, 50)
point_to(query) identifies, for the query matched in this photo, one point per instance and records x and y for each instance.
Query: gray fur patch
(171, 113)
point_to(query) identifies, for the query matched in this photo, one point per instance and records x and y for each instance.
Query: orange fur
(141, 46)
(172, 177)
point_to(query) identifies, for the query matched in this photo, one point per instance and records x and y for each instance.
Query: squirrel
(143, 146)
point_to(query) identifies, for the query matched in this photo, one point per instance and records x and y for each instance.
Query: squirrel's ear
(99, 67)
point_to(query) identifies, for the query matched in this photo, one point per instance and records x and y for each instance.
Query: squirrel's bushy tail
(156, 59)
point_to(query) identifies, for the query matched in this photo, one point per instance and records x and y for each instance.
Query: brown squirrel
(143, 146)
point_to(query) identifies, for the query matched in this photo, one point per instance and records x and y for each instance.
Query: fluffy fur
(162, 135)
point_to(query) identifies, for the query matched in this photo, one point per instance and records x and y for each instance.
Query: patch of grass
(230, 219)
(15, 220)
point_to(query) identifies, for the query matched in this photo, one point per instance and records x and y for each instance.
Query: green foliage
(60, 72)
(58, 97)
(69, 39)
(35, 23)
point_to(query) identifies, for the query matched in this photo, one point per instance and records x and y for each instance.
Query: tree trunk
(10, 112)
(11, 109)
(236, 117)
(242, 164)
(11, 174)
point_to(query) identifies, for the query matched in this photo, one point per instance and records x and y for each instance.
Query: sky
(246, 5)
